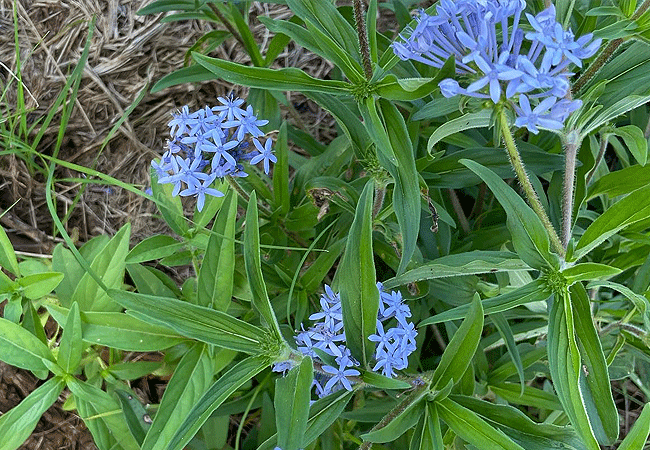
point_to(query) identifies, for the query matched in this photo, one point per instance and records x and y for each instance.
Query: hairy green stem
(570, 154)
(378, 203)
(360, 24)
(604, 139)
(607, 52)
(522, 176)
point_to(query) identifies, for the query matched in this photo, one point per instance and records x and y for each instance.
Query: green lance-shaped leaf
(460, 350)
(394, 426)
(468, 263)
(154, 247)
(428, 434)
(37, 285)
(120, 331)
(253, 262)
(594, 378)
(215, 282)
(635, 141)
(357, 281)
(620, 182)
(625, 212)
(71, 344)
(472, 428)
(109, 264)
(20, 348)
(137, 418)
(531, 292)
(292, 395)
(479, 119)
(529, 236)
(287, 79)
(7, 255)
(281, 171)
(638, 435)
(102, 415)
(406, 191)
(170, 206)
(17, 424)
(527, 433)
(191, 379)
(588, 271)
(214, 397)
(565, 366)
(193, 321)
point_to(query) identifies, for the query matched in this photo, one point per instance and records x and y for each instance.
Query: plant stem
(604, 139)
(570, 154)
(360, 24)
(607, 52)
(227, 24)
(522, 176)
(380, 194)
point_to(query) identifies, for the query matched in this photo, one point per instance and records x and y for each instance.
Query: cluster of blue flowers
(499, 60)
(393, 345)
(210, 144)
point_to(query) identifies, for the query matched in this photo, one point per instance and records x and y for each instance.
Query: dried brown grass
(128, 53)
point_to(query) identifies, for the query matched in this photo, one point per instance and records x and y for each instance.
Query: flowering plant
(506, 310)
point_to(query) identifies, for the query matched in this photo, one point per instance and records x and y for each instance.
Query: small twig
(458, 209)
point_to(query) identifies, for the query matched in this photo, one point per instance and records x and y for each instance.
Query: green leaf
(17, 424)
(619, 108)
(214, 397)
(589, 271)
(133, 370)
(102, 415)
(499, 320)
(376, 129)
(253, 263)
(39, 285)
(479, 119)
(292, 395)
(191, 74)
(472, 428)
(216, 276)
(627, 211)
(566, 368)
(437, 107)
(287, 79)
(398, 425)
(20, 348)
(382, 382)
(427, 434)
(528, 396)
(406, 193)
(191, 379)
(109, 265)
(193, 321)
(620, 182)
(530, 435)
(120, 331)
(154, 247)
(7, 255)
(246, 36)
(594, 378)
(468, 263)
(323, 412)
(137, 418)
(337, 55)
(281, 172)
(71, 344)
(635, 141)
(637, 438)
(326, 16)
(313, 277)
(528, 233)
(532, 292)
(357, 281)
(460, 351)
